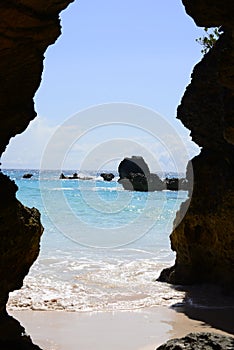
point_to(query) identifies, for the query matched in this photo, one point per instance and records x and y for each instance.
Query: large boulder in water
(176, 184)
(135, 175)
(134, 165)
(139, 182)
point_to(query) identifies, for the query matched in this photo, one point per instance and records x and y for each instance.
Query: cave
(203, 241)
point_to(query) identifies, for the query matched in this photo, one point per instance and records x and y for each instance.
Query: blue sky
(111, 51)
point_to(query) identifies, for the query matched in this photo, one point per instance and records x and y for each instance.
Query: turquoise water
(102, 246)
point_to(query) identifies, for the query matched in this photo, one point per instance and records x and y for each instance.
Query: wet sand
(143, 329)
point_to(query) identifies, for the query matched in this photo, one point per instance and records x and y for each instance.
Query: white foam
(88, 285)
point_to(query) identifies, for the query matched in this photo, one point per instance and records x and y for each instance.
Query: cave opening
(123, 64)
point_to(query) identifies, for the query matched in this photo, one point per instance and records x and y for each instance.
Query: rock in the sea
(176, 184)
(135, 175)
(62, 176)
(74, 176)
(139, 182)
(135, 165)
(134, 182)
(200, 341)
(27, 176)
(107, 176)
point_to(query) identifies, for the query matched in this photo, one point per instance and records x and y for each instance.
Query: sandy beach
(143, 329)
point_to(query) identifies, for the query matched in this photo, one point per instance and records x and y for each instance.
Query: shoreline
(143, 329)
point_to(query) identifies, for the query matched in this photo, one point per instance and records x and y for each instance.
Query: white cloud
(25, 150)
(97, 148)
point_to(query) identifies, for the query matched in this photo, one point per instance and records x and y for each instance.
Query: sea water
(102, 247)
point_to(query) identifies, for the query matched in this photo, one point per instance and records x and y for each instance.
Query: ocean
(102, 247)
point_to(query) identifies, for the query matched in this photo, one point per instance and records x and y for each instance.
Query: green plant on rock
(209, 39)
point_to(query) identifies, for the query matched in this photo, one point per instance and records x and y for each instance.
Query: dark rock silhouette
(62, 176)
(203, 240)
(22, 47)
(199, 341)
(21, 229)
(135, 175)
(135, 165)
(139, 182)
(176, 184)
(13, 335)
(27, 176)
(74, 176)
(107, 176)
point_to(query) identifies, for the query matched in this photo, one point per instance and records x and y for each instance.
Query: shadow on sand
(13, 336)
(208, 304)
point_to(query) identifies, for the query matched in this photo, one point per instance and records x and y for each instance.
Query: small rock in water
(27, 176)
(107, 176)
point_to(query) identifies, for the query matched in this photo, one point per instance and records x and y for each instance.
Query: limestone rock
(203, 241)
(20, 230)
(27, 28)
(199, 341)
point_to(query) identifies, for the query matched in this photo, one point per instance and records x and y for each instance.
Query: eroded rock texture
(27, 27)
(20, 231)
(134, 175)
(199, 341)
(204, 241)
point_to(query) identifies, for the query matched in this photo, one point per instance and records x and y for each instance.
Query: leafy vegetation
(209, 39)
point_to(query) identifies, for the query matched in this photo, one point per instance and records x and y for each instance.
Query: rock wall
(27, 28)
(204, 240)
(199, 341)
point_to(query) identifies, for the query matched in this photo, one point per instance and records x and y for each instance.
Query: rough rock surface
(27, 27)
(134, 175)
(200, 341)
(135, 164)
(139, 182)
(107, 176)
(175, 184)
(20, 231)
(204, 240)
